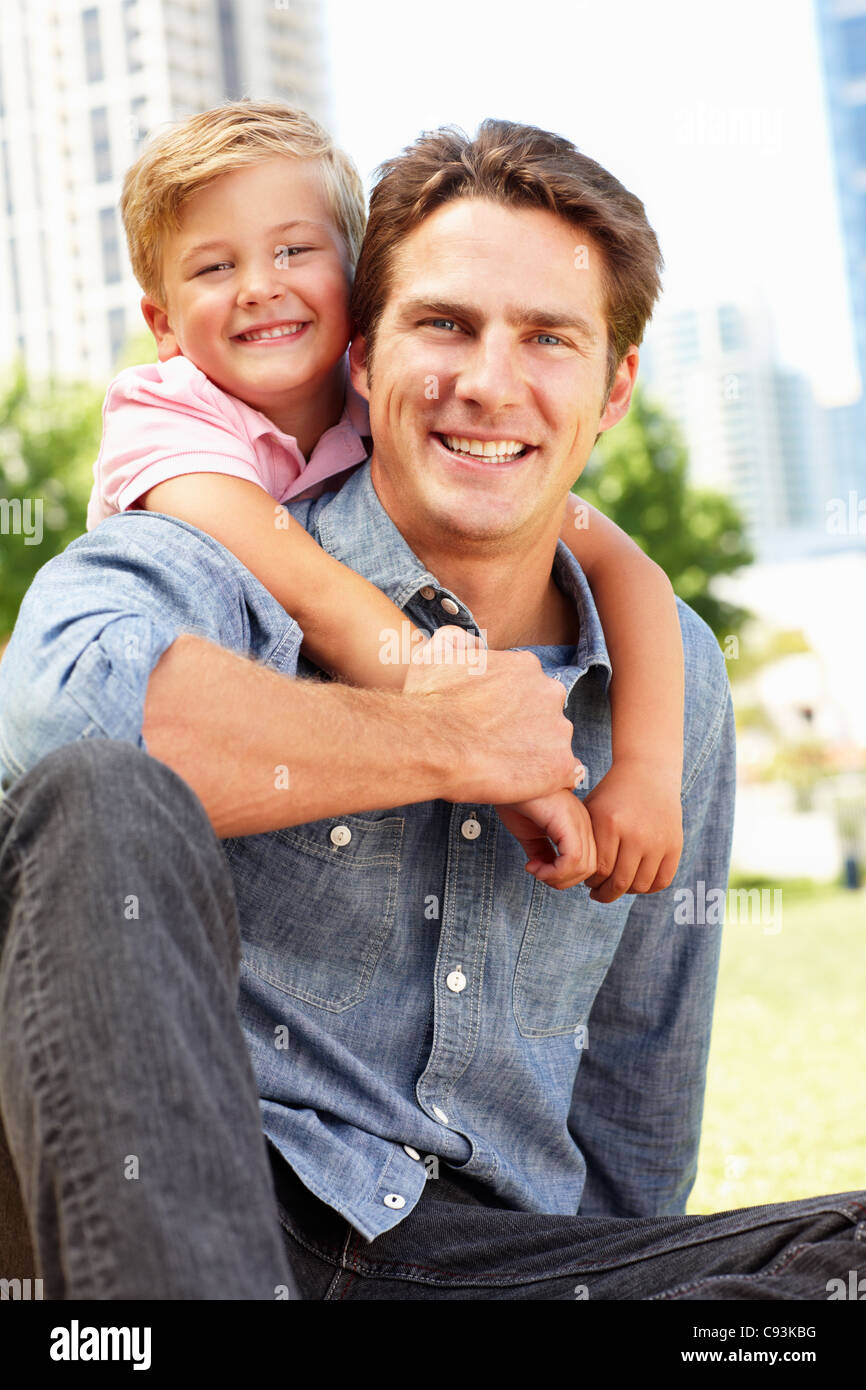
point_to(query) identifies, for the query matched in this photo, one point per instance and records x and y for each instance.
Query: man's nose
(490, 374)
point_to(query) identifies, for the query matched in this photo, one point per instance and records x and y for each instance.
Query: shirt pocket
(316, 904)
(567, 947)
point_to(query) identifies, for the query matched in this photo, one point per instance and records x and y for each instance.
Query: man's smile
(475, 452)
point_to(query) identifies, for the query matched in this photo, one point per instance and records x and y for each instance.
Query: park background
(741, 467)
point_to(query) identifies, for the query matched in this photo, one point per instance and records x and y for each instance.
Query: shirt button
(413, 1153)
(395, 1200)
(341, 835)
(470, 829)
(427, 591)
(456, 980)
(450, 606)
(440, 1114)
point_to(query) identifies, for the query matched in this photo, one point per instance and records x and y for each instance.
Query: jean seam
(334, 1284)
(777, 1267)
(709, 743)
(49, 1087)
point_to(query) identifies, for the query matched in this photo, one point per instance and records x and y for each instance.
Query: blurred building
(751, 427)
(841, 28)
(82, 83)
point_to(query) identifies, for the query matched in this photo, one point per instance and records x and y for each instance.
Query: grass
(785, 1112)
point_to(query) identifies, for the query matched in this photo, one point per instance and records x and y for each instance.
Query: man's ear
(156, 319)
(620, 395)
(358, 365)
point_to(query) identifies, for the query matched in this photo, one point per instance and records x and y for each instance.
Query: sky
(712, 114)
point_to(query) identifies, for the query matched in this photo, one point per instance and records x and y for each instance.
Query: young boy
(244, 225)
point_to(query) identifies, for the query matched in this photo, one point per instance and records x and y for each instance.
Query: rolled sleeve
(97, 619)
(637, 1103)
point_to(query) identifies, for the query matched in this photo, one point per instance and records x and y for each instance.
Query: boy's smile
(257, 282)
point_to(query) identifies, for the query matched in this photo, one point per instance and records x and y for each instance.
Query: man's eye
(551, 337)
(438, 323)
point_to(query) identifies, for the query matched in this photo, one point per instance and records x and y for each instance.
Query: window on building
(131, 34)
(116, 332)
(852, 33)
(7, 178)
(14, 276)
(101, 143)
(110, 246)
(857, 118)
(92, 45)
(138, 118)
(229, 49)
(730, 328)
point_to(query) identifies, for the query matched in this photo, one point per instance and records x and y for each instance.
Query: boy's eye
(284, 253)
(220, 265)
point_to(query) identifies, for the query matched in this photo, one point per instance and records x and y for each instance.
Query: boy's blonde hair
(181, 160)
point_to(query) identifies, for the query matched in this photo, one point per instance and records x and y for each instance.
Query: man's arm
(151, 632)
(638, 1098)
(262, 751)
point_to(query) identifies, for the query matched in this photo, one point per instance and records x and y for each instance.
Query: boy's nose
(262, 282)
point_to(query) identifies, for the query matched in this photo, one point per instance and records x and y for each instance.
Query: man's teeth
(484, 448)
(284, 331)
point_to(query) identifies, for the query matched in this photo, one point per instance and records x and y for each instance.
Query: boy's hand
(637, 821)
(562, 818)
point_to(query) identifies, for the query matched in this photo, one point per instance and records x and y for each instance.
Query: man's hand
(562, 818)
(517, 739)
(637, 820)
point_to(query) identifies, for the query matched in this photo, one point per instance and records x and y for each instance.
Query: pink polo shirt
(163, 419)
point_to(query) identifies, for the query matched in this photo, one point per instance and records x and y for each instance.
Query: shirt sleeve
(161, 421)
(97, 618)
(637, 1102)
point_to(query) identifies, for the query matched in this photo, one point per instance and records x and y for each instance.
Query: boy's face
(257, 250)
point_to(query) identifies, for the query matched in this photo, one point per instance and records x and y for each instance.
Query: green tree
(637, 475)
(49, 439)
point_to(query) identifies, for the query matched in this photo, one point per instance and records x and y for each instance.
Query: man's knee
(94, 789)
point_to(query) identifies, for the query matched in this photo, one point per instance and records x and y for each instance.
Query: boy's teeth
(484, 448)
(283, 332)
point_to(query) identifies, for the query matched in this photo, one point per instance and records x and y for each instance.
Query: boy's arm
(341, 614)
(635, 809)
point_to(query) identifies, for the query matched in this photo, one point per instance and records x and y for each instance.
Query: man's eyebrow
(215, 245)
(521, 316)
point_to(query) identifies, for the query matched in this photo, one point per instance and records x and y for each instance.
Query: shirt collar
(354, 527)
(342, 446)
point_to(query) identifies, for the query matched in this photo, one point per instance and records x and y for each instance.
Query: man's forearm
(262, 750)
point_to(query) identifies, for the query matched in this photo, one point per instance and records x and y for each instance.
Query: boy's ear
(358, 365)
(156, 319)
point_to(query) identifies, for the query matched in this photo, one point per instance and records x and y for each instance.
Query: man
(415, 1006)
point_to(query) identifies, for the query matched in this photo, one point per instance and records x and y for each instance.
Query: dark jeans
(131, 1113)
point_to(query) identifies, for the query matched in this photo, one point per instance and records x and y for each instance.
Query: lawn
(785, 1112)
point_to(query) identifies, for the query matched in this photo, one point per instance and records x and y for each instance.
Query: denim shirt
(409, 994)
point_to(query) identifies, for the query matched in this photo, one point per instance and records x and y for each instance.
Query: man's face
(488, 375)
(257, 252)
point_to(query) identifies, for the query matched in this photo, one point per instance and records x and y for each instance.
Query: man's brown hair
(519, 166)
